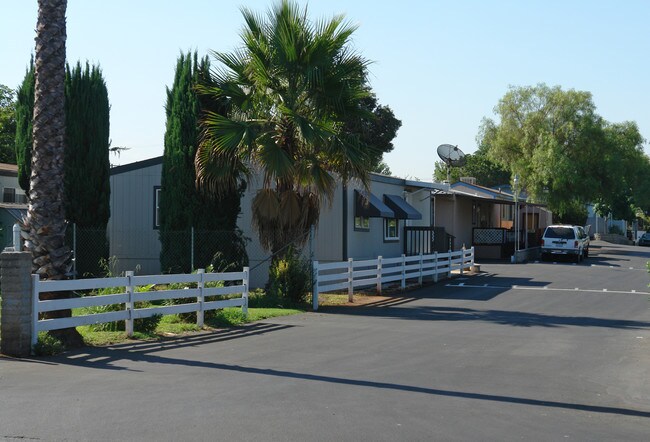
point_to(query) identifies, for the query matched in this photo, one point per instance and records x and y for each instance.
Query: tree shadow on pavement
(109, 358)
(503, 317)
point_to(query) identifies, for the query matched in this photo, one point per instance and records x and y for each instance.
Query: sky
(441, 66)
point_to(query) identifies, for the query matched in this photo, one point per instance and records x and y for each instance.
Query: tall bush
(289, 277)
(182, 206)
(86, 165)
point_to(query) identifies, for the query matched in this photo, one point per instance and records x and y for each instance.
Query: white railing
(350, 274)
(130, 295)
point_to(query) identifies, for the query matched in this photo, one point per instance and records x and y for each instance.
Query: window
(361, 223)
(507, 212)
(9, 195)
(391, 231)
(156, 207)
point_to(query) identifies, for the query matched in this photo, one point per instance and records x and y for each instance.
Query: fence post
(403, 284)
(244, 308)
(129, 304)
(192, 248)
(435, 266)
(379, 284)
(35, 298)
(462, 259)
(350, 280)
(314, 287)
(472, 262)
(17, 304)
(16, 239)
(74, 250)
(200, 298)
(449, 265)
(311, 259)
(420, 276)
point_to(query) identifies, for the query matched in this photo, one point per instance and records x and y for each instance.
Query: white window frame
(388, 228)
(156, 207)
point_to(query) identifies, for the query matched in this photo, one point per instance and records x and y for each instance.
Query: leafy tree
(553, 139)
(574, 213)
(289, 90)
(182, 205)
(381, 168)
(45, 224)
(7, 125)
(376, 127)
(566, 154)
(623, 171)
(479, 165)
(24, 127)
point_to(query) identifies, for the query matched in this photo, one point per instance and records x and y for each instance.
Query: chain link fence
(98, 252)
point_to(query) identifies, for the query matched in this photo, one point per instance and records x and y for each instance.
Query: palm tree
(45, 224)
(287, 94)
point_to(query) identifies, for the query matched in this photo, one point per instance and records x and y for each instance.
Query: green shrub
(290, 278)
(48, 345)
(190, 317)
(142, 325)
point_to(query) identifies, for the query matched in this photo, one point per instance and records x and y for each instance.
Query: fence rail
(130, 296)
(335, 276)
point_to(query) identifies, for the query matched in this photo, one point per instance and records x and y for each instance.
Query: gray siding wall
(258, 258)
(328, 238)
(327, 244)
(133, 239)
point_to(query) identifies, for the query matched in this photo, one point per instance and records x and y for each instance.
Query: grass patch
(231, 317)
(336, 299)
(261, 306)
(101, 338)
(172, 325)
(329, 299)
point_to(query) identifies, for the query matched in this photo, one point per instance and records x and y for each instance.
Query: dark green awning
(369, 206)
(402, 209)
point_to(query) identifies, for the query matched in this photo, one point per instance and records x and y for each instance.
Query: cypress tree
(182, 205)
(24, 116)
(86, 168)
(87, 183)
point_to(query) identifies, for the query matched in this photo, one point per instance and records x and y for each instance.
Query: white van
(565, 240)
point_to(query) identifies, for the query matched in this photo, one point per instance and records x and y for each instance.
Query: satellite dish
(452, 156)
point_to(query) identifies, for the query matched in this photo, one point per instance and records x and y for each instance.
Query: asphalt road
(538, 351)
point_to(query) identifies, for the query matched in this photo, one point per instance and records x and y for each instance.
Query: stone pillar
(16, 313)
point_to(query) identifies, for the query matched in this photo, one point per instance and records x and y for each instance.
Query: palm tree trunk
(45, 223)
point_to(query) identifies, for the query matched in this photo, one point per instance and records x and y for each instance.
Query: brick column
(16, 313)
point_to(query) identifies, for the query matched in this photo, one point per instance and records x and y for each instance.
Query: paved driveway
(536, 351)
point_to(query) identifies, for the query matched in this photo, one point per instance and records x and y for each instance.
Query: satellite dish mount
(452, 156)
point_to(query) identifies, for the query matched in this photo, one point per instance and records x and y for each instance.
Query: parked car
(565, 240)
(644, 240)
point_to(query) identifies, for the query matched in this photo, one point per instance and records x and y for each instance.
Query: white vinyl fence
(130, 296)
(348, 275)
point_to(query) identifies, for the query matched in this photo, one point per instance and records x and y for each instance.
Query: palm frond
(288, 92)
